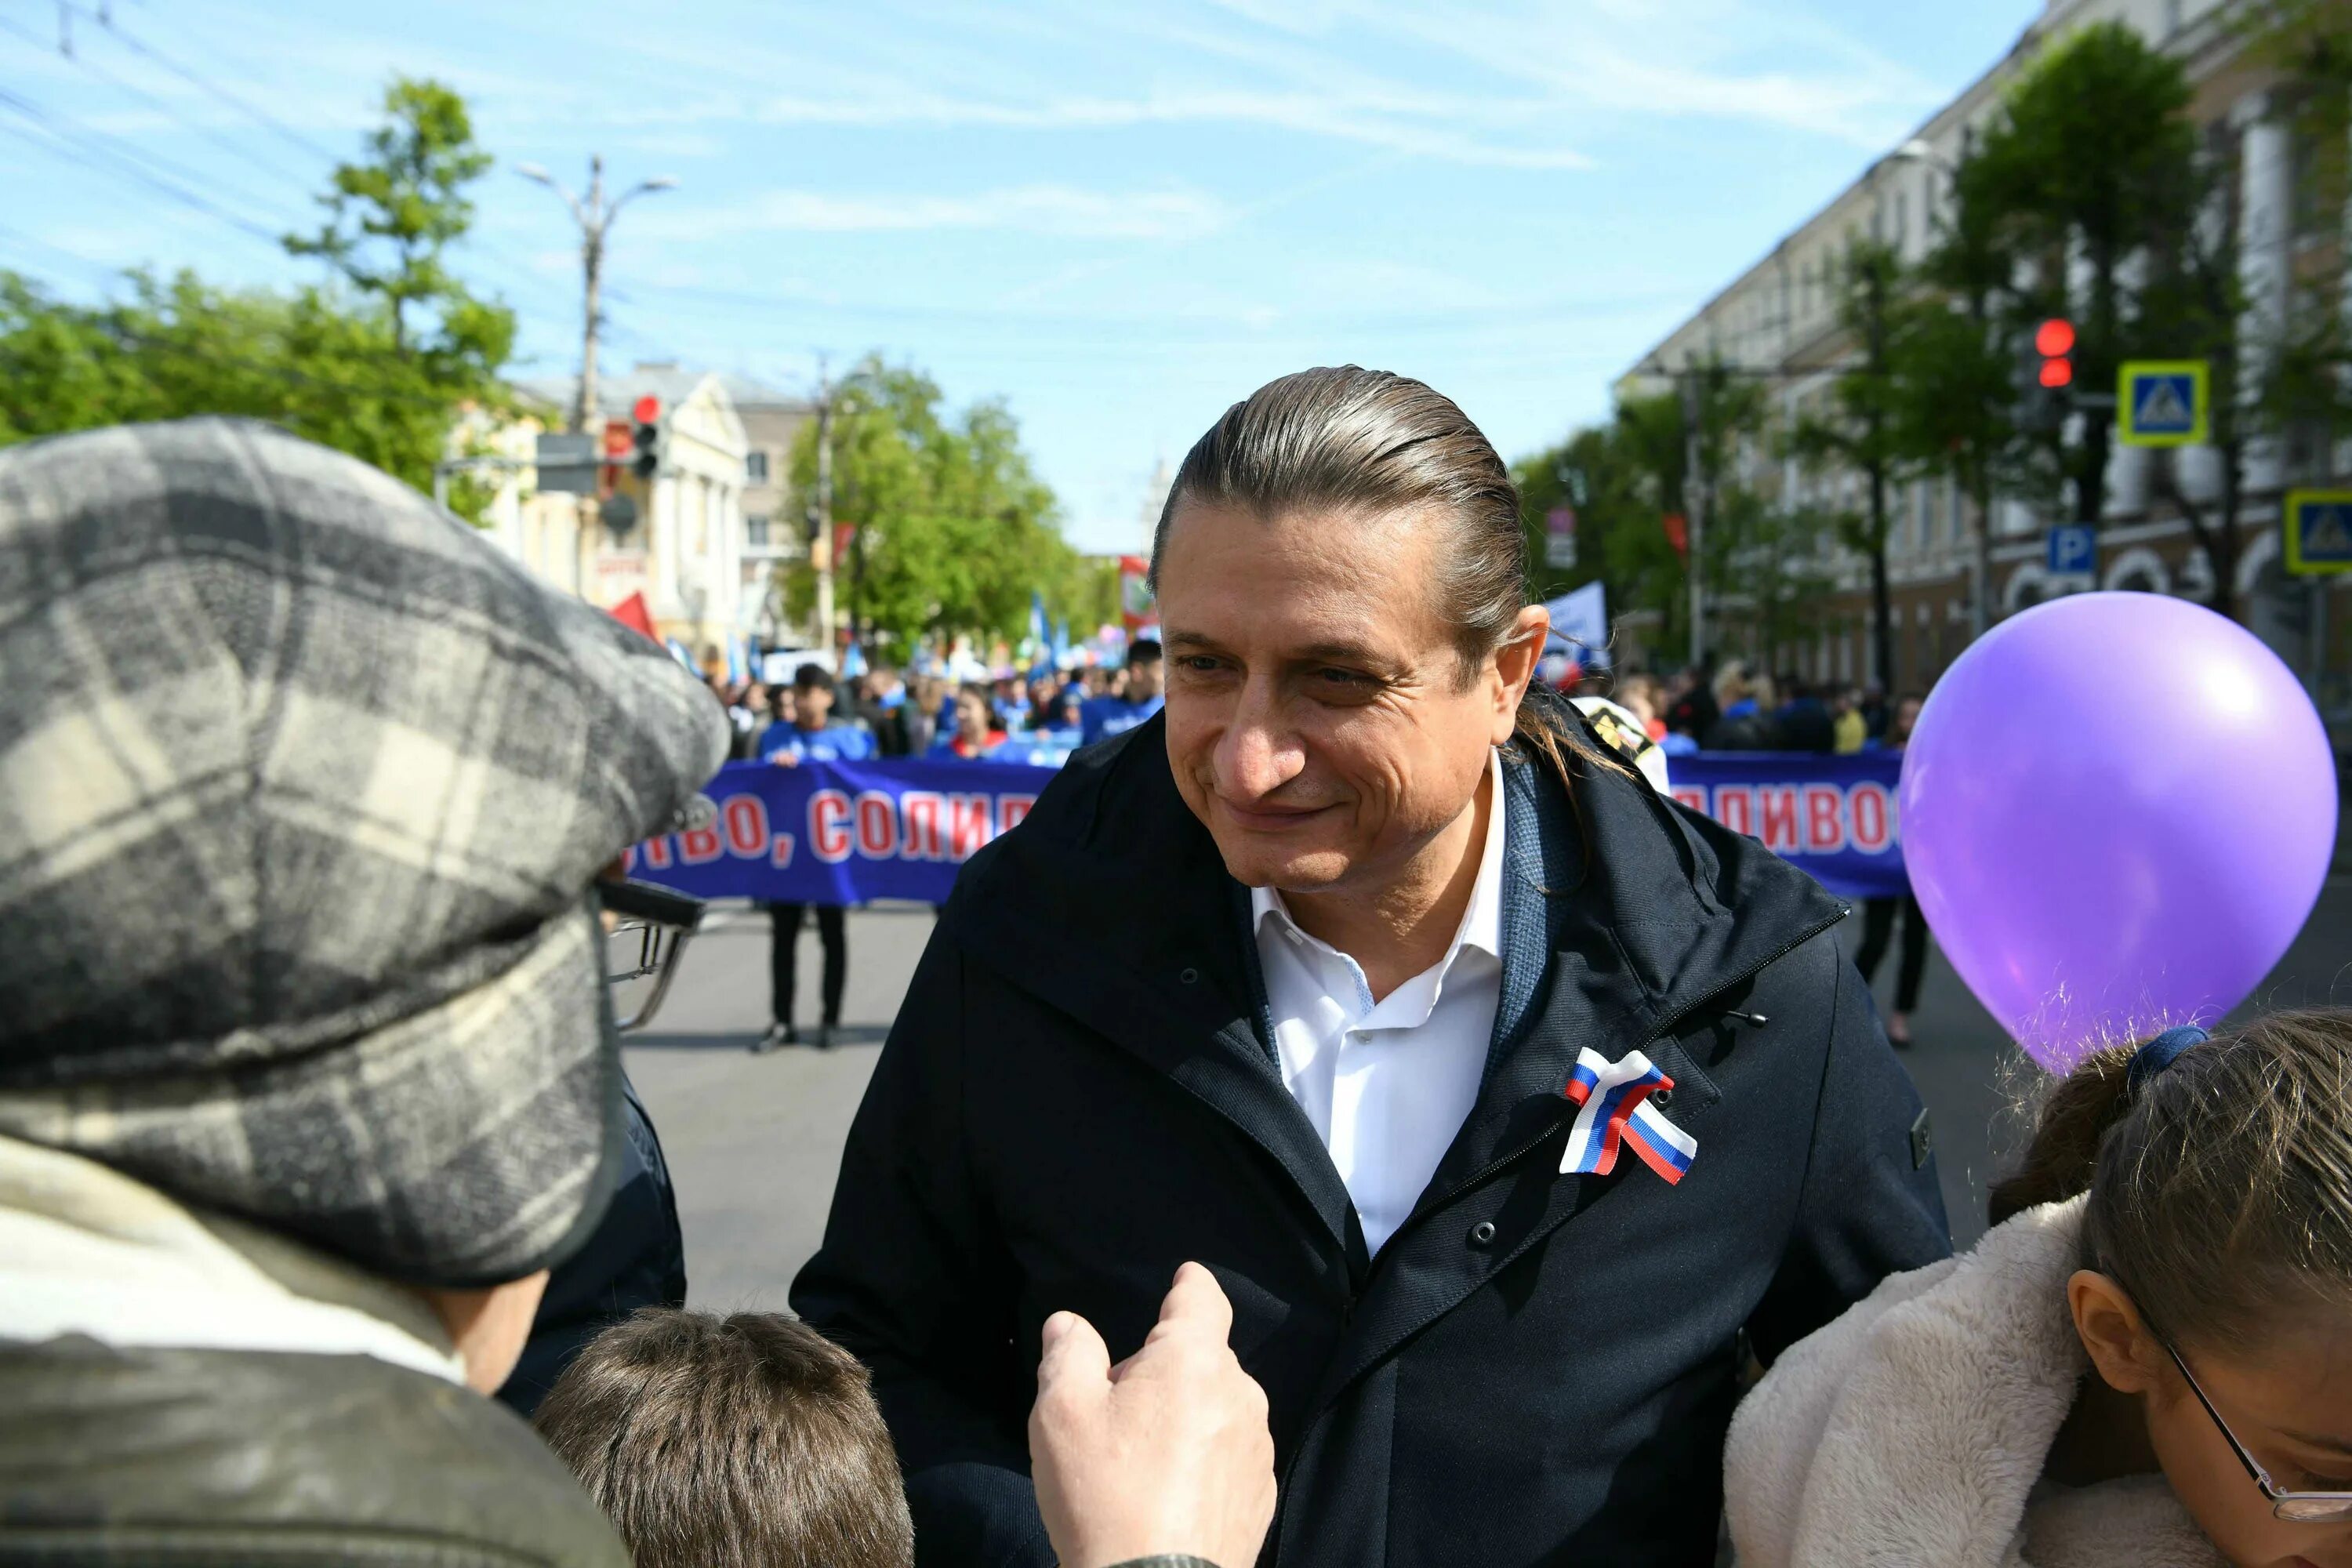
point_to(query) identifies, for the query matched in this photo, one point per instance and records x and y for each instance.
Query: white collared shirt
(1389, 1083)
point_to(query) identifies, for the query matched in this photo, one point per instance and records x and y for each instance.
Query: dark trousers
(1877, 927)
(783, 941)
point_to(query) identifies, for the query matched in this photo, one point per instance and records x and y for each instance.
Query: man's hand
(1167, 1453)
(784, 760)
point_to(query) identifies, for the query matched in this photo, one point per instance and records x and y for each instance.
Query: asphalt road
(754, 1141)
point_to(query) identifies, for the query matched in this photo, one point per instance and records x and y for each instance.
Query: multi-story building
(678, 540)
(773, 514)
(1778, 321)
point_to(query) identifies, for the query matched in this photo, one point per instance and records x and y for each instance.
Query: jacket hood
(1914, 1429)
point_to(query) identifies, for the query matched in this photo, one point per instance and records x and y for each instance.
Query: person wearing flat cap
(308, 1074)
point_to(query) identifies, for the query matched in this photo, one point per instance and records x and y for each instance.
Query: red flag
(632, 613)
(1135, 605)
(1678, 534)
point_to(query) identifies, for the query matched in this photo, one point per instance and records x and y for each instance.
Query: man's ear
(2129, 1357)
(1514, 666)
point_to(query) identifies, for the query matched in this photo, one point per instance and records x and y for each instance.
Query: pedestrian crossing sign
(2319, 531)
(2162, 402)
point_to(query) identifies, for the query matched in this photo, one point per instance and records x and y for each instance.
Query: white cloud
(1763, 61)
(1059, 210)
(1426, 124)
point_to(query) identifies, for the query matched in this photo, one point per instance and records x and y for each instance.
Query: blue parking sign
(2073, 552)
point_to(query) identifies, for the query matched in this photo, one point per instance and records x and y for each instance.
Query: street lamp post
(595, 218)
(1694, 503)
(1920, 151)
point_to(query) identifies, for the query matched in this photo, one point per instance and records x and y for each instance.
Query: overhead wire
(529, 286)
(92, 150)
(517, 277)
(201, 84)
(82, 60)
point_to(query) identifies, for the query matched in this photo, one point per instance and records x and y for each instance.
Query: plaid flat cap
(302, 789)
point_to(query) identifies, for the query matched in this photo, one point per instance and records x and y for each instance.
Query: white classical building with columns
(681, 540)
(1780, 317)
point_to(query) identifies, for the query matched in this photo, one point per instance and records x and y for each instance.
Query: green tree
(1953, 349)
(392, 217)
(2090, 165)
(1719, 418)
(1625, 478)
(1601, 472)
(332, 363)
(2195, 306)
(170, 349)
(952, 527)
(2302, 381)
(1861, 429)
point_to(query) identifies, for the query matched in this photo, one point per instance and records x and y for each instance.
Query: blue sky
(1119, 217)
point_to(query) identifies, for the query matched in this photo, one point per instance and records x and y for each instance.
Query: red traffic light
(2055, 337)
(2057, 373)
(648, 408)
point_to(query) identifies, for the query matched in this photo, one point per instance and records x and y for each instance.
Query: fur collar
(1914, 1429)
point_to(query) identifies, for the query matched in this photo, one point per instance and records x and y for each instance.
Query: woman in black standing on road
(1878, 914)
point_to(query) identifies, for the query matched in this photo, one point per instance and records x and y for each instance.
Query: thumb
(1076, 1356)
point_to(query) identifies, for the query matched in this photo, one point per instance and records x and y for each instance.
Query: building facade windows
(755, 465)
(755, 526)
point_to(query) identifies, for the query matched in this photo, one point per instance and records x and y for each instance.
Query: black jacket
(209, 1457)
(1078, 1096)
(635, 1257)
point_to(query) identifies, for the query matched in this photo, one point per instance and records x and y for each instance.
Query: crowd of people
(885, 713)
(1254, 1111)
(1050, 712)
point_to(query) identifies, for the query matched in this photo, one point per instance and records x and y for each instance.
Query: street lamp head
(533, 172)
(660, 182)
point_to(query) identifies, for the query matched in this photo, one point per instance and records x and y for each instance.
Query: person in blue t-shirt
(812, 735)
(1107, 716)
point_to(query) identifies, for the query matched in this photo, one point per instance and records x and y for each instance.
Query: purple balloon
(2117, 810)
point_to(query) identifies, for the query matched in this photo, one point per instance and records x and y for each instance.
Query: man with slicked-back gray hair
(1510, 1104)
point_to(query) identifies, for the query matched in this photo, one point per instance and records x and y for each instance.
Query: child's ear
(2129, 1357)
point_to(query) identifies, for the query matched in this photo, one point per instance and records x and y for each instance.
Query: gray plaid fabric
(302, 786)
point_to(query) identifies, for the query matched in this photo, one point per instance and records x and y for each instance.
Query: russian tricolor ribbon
(1614, 1110)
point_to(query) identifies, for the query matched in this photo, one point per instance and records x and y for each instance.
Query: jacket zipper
(1349, 1312)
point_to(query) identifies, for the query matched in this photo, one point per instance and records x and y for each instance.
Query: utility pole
(595, 218)
(1695, 512)
(1882, 630)
(820, 541)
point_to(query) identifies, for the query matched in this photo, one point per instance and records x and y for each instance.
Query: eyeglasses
(2295, 1507)
(647, 928)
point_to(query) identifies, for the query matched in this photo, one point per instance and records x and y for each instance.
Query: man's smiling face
(1320, 720)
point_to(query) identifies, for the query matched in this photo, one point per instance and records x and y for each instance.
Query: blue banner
(1834, 816)
(841, 833)
(846, 833)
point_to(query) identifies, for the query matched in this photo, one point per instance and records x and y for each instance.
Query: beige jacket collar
(1914, 1429)
(85, 1250)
